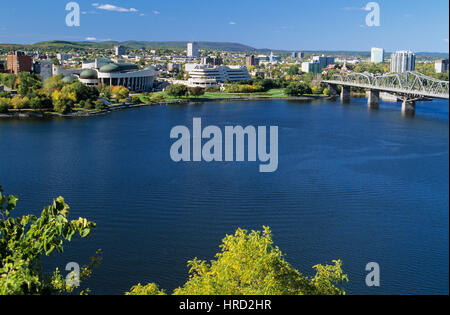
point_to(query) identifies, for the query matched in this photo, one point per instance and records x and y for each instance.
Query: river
(352, 184)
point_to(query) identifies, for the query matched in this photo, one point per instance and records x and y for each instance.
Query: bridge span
(408, 87)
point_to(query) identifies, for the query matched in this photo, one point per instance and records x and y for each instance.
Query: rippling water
(352, 184)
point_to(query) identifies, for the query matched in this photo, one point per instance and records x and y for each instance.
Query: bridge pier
(345, 94)
(373, 99)
(408, 108)
(333, 89)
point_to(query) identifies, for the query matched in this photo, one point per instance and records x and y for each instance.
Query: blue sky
(276, 24)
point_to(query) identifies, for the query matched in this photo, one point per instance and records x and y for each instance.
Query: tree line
(56, 94)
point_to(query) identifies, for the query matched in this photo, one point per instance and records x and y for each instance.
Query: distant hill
(67, 45)
(223, 46)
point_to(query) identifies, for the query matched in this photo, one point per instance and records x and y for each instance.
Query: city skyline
(287, 26)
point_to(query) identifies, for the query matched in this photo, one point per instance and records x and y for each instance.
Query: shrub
(20, 102)
(99, 105)
(196, 91)
(5, 104)
(135, 99)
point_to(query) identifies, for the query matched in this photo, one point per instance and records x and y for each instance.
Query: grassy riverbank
(161, 98)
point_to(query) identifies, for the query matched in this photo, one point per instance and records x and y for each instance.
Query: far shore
(181, 101)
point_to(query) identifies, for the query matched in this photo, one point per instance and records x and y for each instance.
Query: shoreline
(117, 107)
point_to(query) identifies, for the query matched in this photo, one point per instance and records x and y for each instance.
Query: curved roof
(111, 67)
(128, 66)
(88, 74)
(118, 67)
(69, 79)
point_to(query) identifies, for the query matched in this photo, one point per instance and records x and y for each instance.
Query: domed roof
(69, 79)
(111, 67)
(127, 66)
(88, 74)
(118, 67)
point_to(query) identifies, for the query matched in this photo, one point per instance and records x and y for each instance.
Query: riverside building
(210, 76)
(103, 71)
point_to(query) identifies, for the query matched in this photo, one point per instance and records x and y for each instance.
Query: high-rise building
(403, 61)
(192, 50)
(44, 68)
(120, 50)
(377, 55)
(323, 61)
(311, 67)
(251, 61)
(19, 62)
(441, 66)
(294, 55)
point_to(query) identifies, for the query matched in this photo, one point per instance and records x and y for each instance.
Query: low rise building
(212, 60)
(210, 76)
(100, 72)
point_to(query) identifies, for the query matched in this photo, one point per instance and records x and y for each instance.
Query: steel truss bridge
(407, 86)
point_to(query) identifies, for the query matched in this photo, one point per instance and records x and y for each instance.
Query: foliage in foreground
(249, 264)
(23, 242)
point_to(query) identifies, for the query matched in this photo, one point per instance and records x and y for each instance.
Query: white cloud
(232, 23)
(90, 38)
(446, 40)
(156, 12)
(354, 9)
(110, 7)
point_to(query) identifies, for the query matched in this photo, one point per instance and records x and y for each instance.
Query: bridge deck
(388, 89)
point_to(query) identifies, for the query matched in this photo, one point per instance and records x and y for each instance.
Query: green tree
(177, 90)
(123, 93)
(249, 264)
(27, 84)
(25, 240)
(82, 91)
(63, 102)
(107, 92)
(297, 89)
(5, 104)
(293, 70)
(9, 80)
(40, 100)
(19, 102)
(196, 91)
(54, 83)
